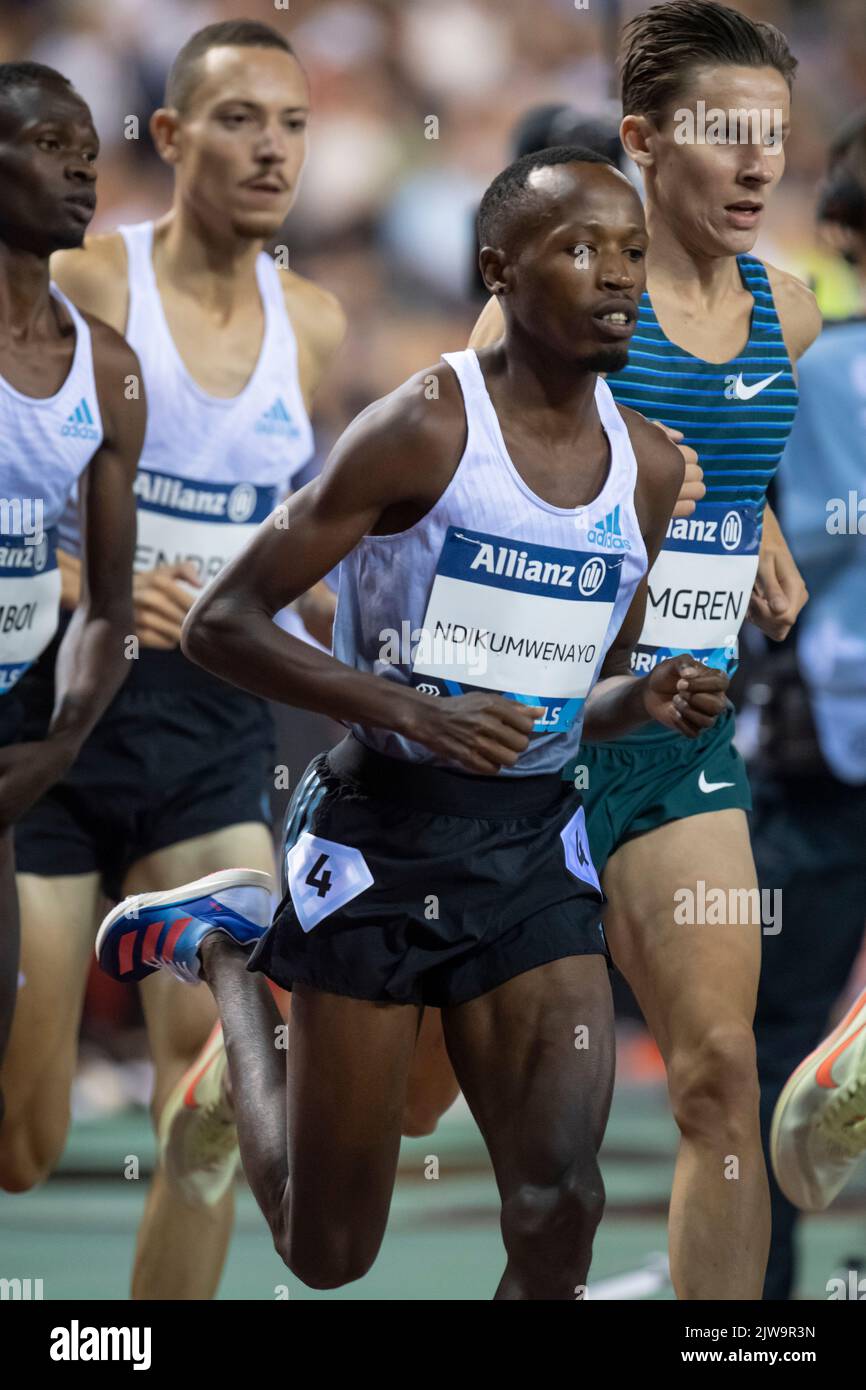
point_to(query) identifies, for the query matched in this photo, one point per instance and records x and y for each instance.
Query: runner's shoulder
(110, 348)
(316, 314)
(426, 411)
(410, 438)
(797, 308)
(94, 277)
(658, 459)
(118, 376)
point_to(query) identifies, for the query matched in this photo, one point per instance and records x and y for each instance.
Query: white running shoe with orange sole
(198, 1138)
(818, 1135)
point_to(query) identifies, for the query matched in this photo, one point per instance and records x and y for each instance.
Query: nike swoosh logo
(706, 786)
(824, 1074)
(745, 393)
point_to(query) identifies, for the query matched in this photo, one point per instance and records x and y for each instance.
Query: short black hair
(508, 195)
(662, 47)
(15, 75)
(842, 195)
(557, 123)
(230, 33)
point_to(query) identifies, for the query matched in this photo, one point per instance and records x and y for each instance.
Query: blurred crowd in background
(414, 108)
(385, 213)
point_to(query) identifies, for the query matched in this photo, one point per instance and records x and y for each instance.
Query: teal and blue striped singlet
(737, 416)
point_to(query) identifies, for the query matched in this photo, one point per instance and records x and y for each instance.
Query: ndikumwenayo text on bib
(526, 620)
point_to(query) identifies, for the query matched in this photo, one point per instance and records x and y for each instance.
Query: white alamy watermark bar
(720, 907)
(736, 126)
(22, 516)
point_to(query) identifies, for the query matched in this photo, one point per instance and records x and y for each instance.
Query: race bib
(323, 876)
(29, 602)
(700, 587)
(578, 859)
(528, 621)
(205, 523)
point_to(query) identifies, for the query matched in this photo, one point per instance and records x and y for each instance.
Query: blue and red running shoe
(163, 931)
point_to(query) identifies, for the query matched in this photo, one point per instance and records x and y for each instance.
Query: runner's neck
(219, 274)
(26, 310)
(700, 282)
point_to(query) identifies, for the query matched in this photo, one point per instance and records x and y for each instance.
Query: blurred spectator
(809, 783)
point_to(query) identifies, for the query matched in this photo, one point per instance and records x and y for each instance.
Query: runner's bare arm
(320, 328)
(394, 461)
(779, 593)
(93, 276)
(319, 325)
(489, 326)
(797, 307)
(70, 579)
(90, 662)
(679, 693)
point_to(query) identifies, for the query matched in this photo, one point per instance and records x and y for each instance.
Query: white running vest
(45, 446)
(211, 468)
(496, 589)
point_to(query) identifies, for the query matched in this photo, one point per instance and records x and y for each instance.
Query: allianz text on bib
(29, 602)
(526, 620)
(204, 523)
(700, 586)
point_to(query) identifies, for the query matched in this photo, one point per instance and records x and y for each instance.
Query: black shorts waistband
(441, 791)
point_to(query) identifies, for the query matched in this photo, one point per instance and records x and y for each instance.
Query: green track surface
(77, 1232)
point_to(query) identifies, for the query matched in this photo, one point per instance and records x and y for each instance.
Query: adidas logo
(277, 420)
(608, 532)
(80, 423)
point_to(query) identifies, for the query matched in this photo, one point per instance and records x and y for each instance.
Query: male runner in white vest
(436, 857)
(66, 414)
(173, 782)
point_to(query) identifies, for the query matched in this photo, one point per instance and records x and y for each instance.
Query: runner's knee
(336, 1255)
(423, 1113)
(28, 1156)
(419, 1120)
(714, 1084)
(540, 1221)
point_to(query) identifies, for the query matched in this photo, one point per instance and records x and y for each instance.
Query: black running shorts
(167, 762)
(11, 718)
(412, 884)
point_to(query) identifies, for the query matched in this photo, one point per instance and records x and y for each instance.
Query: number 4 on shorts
(578, 859)
(324, 883)
(323, 876)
